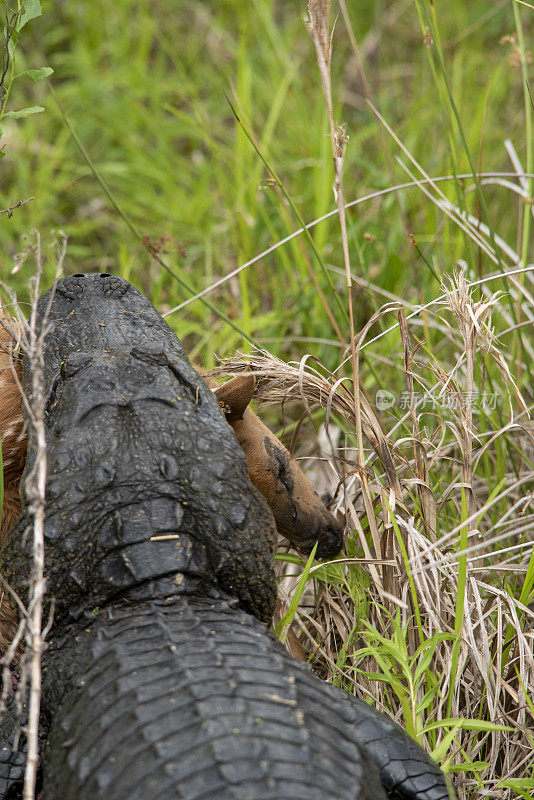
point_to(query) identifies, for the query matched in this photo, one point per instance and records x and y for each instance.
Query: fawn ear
(235, 395)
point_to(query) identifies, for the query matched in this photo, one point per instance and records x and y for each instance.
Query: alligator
(160, 678)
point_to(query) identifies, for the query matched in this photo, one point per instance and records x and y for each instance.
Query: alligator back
(193, 699)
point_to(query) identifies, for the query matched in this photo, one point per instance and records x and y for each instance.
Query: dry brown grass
(439, 504)
(453, 548)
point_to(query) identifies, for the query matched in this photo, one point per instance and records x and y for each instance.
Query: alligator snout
(75, 286)
(104, 314)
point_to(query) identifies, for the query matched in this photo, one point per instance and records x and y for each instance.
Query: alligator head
(148, 494)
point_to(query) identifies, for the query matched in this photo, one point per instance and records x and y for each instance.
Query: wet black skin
(160, 679)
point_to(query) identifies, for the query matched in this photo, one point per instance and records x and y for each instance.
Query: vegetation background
(139, 158)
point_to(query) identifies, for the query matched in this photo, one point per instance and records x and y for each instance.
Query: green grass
(145, 89)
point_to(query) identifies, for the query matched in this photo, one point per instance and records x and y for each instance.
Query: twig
(9, 211)
(32, 339)
(34, 486)
(10, 24)
(317, 25)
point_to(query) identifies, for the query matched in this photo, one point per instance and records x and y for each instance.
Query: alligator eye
(73, 363)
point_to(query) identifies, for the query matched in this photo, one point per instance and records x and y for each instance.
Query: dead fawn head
(299, 513)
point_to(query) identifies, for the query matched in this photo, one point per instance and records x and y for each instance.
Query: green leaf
(332, 573)
(426, 701)
(521, 786)
(37, 74)
(358, 582)
(472, 766)
(289, 558)
(32, 9)
(466, 725)
(439, 753)
(285, 623)
(24, 112)
(425, 658)
(12, 43)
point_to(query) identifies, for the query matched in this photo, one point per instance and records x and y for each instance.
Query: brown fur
(299, 513)
(13, 456)
(11, 424)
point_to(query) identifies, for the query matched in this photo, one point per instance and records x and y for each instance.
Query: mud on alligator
(160, 679)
